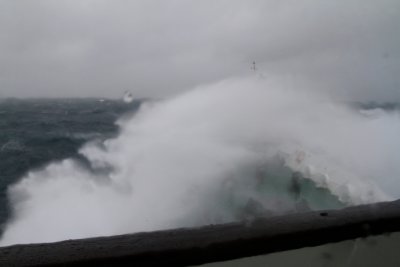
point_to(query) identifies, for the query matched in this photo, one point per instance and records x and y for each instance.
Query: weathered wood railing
(183, 247)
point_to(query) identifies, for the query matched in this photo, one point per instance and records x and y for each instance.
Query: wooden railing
(183, 247)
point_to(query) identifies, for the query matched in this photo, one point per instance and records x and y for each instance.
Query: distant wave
(12, 145)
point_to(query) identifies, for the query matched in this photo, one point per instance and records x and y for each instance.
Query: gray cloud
(158, 48)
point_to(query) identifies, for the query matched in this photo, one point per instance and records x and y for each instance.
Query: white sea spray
(173, 160)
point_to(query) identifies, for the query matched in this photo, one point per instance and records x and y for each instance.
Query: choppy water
(35, 132)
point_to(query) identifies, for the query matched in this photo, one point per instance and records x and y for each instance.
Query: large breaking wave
(194, 159)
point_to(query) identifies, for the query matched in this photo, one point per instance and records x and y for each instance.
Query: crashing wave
(227, 151)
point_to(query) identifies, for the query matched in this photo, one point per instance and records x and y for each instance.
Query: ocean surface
(70, 153)
(36, 132)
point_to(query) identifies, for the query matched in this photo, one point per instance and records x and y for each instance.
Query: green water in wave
(273, 189)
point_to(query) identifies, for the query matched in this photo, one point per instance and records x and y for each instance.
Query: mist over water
(175, 160)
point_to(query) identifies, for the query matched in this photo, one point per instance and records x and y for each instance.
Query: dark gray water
(35, 132)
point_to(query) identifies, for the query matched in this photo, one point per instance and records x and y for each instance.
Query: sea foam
(174, 159)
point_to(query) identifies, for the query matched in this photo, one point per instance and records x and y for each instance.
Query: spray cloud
(172, 160)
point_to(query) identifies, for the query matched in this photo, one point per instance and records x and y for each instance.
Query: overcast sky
(157, 48)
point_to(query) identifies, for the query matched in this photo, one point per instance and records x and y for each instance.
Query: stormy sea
(235, 150)
(36, 132)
